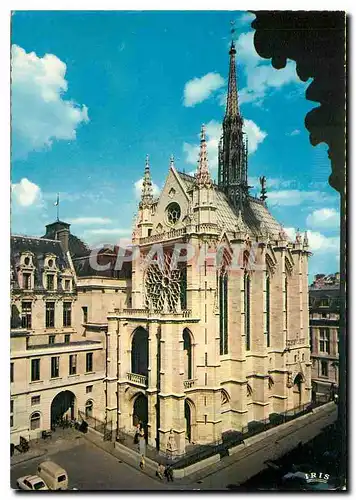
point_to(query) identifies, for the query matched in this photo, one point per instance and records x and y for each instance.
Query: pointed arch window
(223, 306)
(247, 306)
(183, 287)
(268, 310)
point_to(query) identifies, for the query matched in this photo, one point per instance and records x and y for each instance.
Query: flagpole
(57, 205)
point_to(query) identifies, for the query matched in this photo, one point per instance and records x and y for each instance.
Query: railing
(234, 438)
(133, 312)
(188, 383)
(209, 228)
(172, 234)
(185, 313)
(298, 341)
(137, 379)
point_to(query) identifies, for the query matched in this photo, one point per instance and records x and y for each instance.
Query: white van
(53, 475)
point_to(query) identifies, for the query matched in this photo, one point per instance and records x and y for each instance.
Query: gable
(174, 191)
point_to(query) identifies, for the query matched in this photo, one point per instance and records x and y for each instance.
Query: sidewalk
(126, 455)
(61, 439)
(250, 460)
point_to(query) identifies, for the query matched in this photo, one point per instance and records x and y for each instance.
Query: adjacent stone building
(324, 310)
(55, 371)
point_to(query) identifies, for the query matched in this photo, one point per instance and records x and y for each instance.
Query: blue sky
(94, 92)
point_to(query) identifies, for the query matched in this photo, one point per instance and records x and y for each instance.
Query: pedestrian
(160, 471)
(142, 462)
(169, 473)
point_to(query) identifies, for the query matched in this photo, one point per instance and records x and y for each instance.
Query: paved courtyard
(90, 468)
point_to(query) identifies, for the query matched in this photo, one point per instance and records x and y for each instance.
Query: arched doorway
(139, 352)
(297, 390)
(140, 411)
(188, 421)
(188, 358)
(62, 407)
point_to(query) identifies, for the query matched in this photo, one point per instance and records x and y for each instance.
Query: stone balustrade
(184, 313)
(298, 341)
(188, 384)
(169, 235)
(137, 379)
(206, 228)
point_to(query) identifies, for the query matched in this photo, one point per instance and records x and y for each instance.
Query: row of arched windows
(223, 309)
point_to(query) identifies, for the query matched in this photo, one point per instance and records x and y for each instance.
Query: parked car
(31, 483)
(54, 475)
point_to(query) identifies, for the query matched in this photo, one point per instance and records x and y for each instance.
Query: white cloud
(271, 182)
(294, 132)
(213, 133)
(138, 188)
(87, 221)
(26, 193)
(294, 197)
(246, 17)
(318, 242)
(114, 231)
(255, 135)
(260, 75)
(199, 89)
(327, 218)
(39, 114)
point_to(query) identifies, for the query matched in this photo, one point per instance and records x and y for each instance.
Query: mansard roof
(253, 214)
(38, 247)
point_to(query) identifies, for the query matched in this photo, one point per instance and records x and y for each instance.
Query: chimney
(59, 231)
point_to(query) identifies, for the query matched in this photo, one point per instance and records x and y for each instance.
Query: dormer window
(50, 282)
(27, 261)
(67, 285)
(50, 263)
(26, 281)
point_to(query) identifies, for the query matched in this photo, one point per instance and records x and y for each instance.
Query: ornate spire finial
(232, 157)
(305, 240)
(262, 180)
(203, 174)
(147, 192)
(232, 99)
(298, 236)
(171, 161)
(232, 31)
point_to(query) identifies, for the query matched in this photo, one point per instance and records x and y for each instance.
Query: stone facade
(324, 310)
(203, 331)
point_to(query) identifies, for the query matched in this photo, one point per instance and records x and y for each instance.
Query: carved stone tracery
(163, 284)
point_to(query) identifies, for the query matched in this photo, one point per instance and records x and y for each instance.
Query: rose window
(163, 285)
(173, 213)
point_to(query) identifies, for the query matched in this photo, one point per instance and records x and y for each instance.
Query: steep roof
(253, 214)
(39, 247)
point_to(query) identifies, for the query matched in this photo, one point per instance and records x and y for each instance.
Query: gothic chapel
(208, 347)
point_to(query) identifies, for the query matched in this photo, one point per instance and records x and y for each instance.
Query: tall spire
(203, 174)
(232, 107)
(147, 192)
(232, 176)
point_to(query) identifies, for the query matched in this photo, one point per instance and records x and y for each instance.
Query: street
(90, 468)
